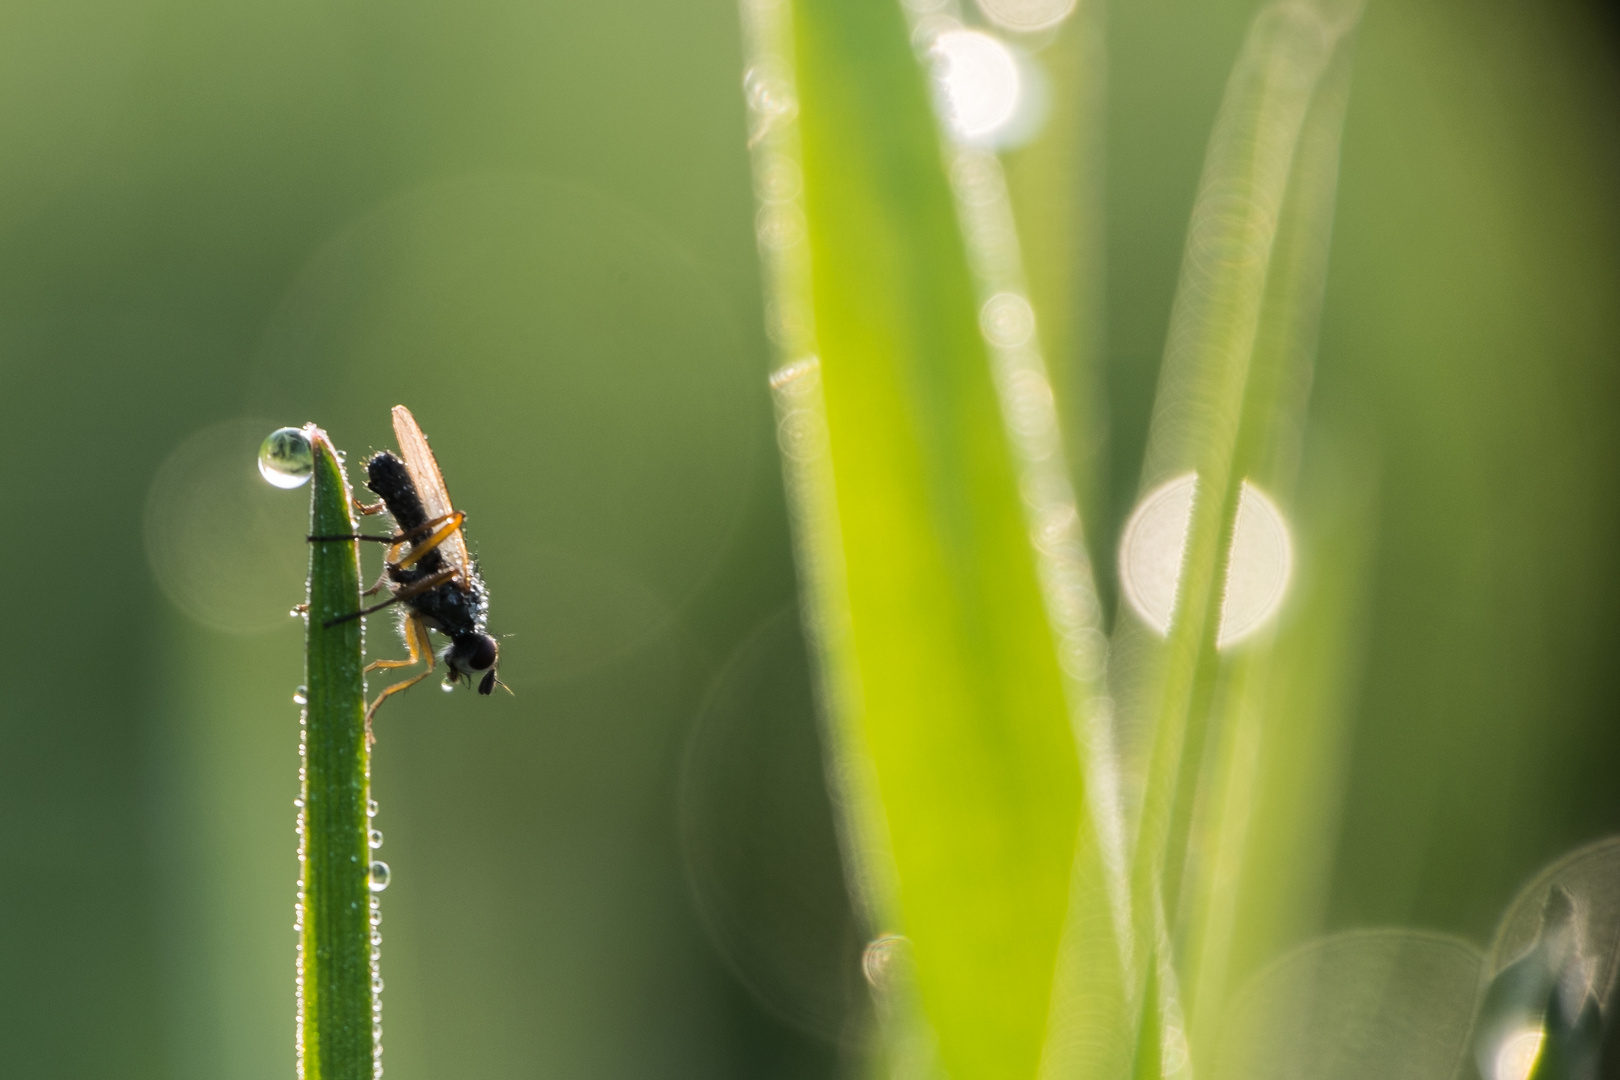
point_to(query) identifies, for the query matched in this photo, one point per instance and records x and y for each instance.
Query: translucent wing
(413, 446)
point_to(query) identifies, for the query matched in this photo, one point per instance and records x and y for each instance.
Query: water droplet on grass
(377, 876)
(286, 459)
(301, 696)
(885, 960)
(371, 808)
(375, 839)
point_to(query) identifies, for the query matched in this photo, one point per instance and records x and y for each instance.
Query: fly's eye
(480, 652)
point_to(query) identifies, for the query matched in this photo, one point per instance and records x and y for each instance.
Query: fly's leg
(421, 649)
(450, 523)
(445, 526)
(416, 588)
(412, 628)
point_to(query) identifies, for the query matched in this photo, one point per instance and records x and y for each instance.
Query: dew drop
(301, 696)
(377, 876)
(286, 458)
(375, 839)
(885, 960)
(371, 808)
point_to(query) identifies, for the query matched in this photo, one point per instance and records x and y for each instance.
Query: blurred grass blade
(1205, 395)
(948, 715)
(335, 1040)
(1246, 709)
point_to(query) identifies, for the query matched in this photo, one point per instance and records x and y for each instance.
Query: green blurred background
(533, 224)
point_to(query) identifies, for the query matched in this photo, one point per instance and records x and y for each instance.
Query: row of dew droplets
(377, 879)
(301, 697)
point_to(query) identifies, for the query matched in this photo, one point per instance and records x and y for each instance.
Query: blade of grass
(945, 699)
(1086, 1034)
(1203, 395)
(1216, 408)
(1248, 707)
(335, 903)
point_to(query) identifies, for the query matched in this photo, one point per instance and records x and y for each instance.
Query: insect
(427, 568)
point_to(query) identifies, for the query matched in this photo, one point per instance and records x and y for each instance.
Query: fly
(427, 569)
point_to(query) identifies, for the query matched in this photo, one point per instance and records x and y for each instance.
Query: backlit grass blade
(1205, 398)
(1229, 407)
(335, 992)
(1263, 700)
(946, 701)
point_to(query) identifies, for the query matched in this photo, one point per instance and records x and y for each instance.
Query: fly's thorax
(449, 609)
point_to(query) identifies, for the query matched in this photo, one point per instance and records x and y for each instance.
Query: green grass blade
(335, 1040)
(1204, 394)
(942, 668)
(1262, 695)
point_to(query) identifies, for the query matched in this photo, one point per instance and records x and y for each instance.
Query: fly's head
(474, 655)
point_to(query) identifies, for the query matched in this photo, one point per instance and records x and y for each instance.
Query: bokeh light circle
(1027, 16)
(979, 82)
(224, 547)
(758, 840)
(1154, 542)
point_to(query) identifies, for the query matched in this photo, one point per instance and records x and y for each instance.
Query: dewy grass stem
(336, 1035)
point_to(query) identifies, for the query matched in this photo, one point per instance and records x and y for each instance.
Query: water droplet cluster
(885, 961)
(286, 458)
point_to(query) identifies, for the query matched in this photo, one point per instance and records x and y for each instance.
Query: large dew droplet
(286, 459)
(377, 876)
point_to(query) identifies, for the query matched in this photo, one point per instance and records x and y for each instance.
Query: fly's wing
(413, 446)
